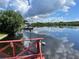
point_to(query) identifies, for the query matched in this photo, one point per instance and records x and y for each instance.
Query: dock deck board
(2, 36)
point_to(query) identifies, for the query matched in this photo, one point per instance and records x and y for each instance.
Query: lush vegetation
(10, 21)
(49, 24)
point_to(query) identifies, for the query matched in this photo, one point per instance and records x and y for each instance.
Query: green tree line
(49, 24)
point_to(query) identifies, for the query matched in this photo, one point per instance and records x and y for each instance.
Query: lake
(60, 42)
(69, 33)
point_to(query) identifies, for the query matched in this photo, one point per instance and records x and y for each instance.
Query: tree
(10, 21)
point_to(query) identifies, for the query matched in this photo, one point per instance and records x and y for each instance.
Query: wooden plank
(3, 36)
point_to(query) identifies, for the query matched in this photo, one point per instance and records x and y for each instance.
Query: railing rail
(13, 45)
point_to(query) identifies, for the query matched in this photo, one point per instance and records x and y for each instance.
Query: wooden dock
(3, 36)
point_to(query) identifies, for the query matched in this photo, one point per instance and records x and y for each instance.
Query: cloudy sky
(44, 9)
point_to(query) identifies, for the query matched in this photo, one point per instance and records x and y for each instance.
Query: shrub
(10, 21)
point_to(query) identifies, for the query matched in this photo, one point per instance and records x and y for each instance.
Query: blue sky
(44, 9)
(73, 13)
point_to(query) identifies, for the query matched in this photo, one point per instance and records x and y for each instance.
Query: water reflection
(61, 43)
(70, 33)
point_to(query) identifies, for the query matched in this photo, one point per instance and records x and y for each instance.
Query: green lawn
(2, 35)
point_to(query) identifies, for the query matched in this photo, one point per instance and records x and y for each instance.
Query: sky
(46, 10)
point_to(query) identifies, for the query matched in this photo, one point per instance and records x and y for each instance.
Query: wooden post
(13, 48)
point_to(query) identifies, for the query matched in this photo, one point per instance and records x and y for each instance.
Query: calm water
(69, 33)
(53, 38)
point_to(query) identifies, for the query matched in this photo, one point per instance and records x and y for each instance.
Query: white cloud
(19, 5)
(22, 5)
(65, 8)
(38, 7)
(36, 17)
(63, 2)
(47, 6)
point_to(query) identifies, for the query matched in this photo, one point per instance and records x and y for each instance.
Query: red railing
(14, 49)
